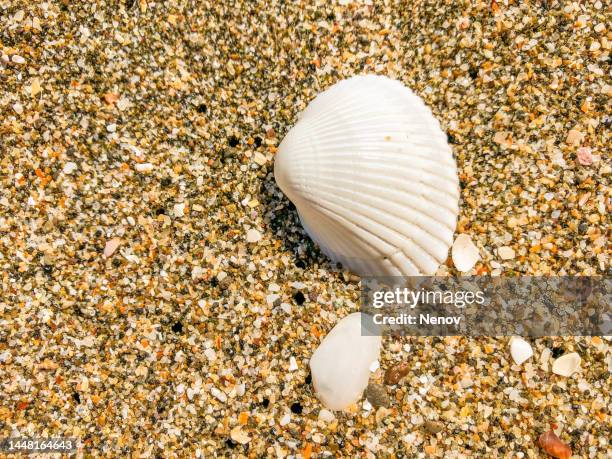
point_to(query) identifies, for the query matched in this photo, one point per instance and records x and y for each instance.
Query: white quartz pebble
(340, 366)
(326, 415)
(520, 350)
(253, 235)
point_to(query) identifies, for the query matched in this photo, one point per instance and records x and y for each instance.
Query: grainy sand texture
(158, 295)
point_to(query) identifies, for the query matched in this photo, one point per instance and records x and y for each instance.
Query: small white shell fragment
(123, 103)
(464, 253)
(111, 246)
(238, 435)
(326, 415)
(286, 419)
(179, 209)
(260, 159)
(340, 366)
(210, 354)
(520, 350)
(373, 178)
(144, 167)
(506, 253)
(293, 366)
(253, 236)
(566, 365)
(218, 394)
(70, 167)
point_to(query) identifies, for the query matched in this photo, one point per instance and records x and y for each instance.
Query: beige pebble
(574, 137)
(111, 246)
(239, 436)
(253, 236)
(179, 209)
(143, 167)
(506, 253)
(260, 159)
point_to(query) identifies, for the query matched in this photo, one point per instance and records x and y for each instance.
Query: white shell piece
(373, 179)
(520, 350)
(464, 253)
(566, 365)
(340, 366)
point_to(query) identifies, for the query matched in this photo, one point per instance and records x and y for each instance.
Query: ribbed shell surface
(373, 178)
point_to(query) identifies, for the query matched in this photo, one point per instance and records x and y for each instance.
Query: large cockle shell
(373, 178)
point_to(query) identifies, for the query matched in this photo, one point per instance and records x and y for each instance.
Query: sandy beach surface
(158, 295)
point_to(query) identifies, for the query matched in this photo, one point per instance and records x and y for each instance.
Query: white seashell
(340, 366)
(464, 253)
(520, 350)
(566, 365)
(373, 179)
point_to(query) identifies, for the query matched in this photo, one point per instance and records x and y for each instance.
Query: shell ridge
(370, 114)
(348, 223)
(348, 208)
(425, 209)
(322, 159)
(431, 212)
(341, 212)
(341, 245)
(451, 191)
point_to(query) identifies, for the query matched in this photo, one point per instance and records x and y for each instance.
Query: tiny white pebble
(326, 415)
(111, 127)
(122, 104)
(111, 246)
(210, 354)
(144, 167)
(179, 209)
(70, 167)
(293, 366)
(506, 253)
(18, 108)
(260, 159)
(220, 395)
(17, 59)
(253, 235)
(286, 419)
